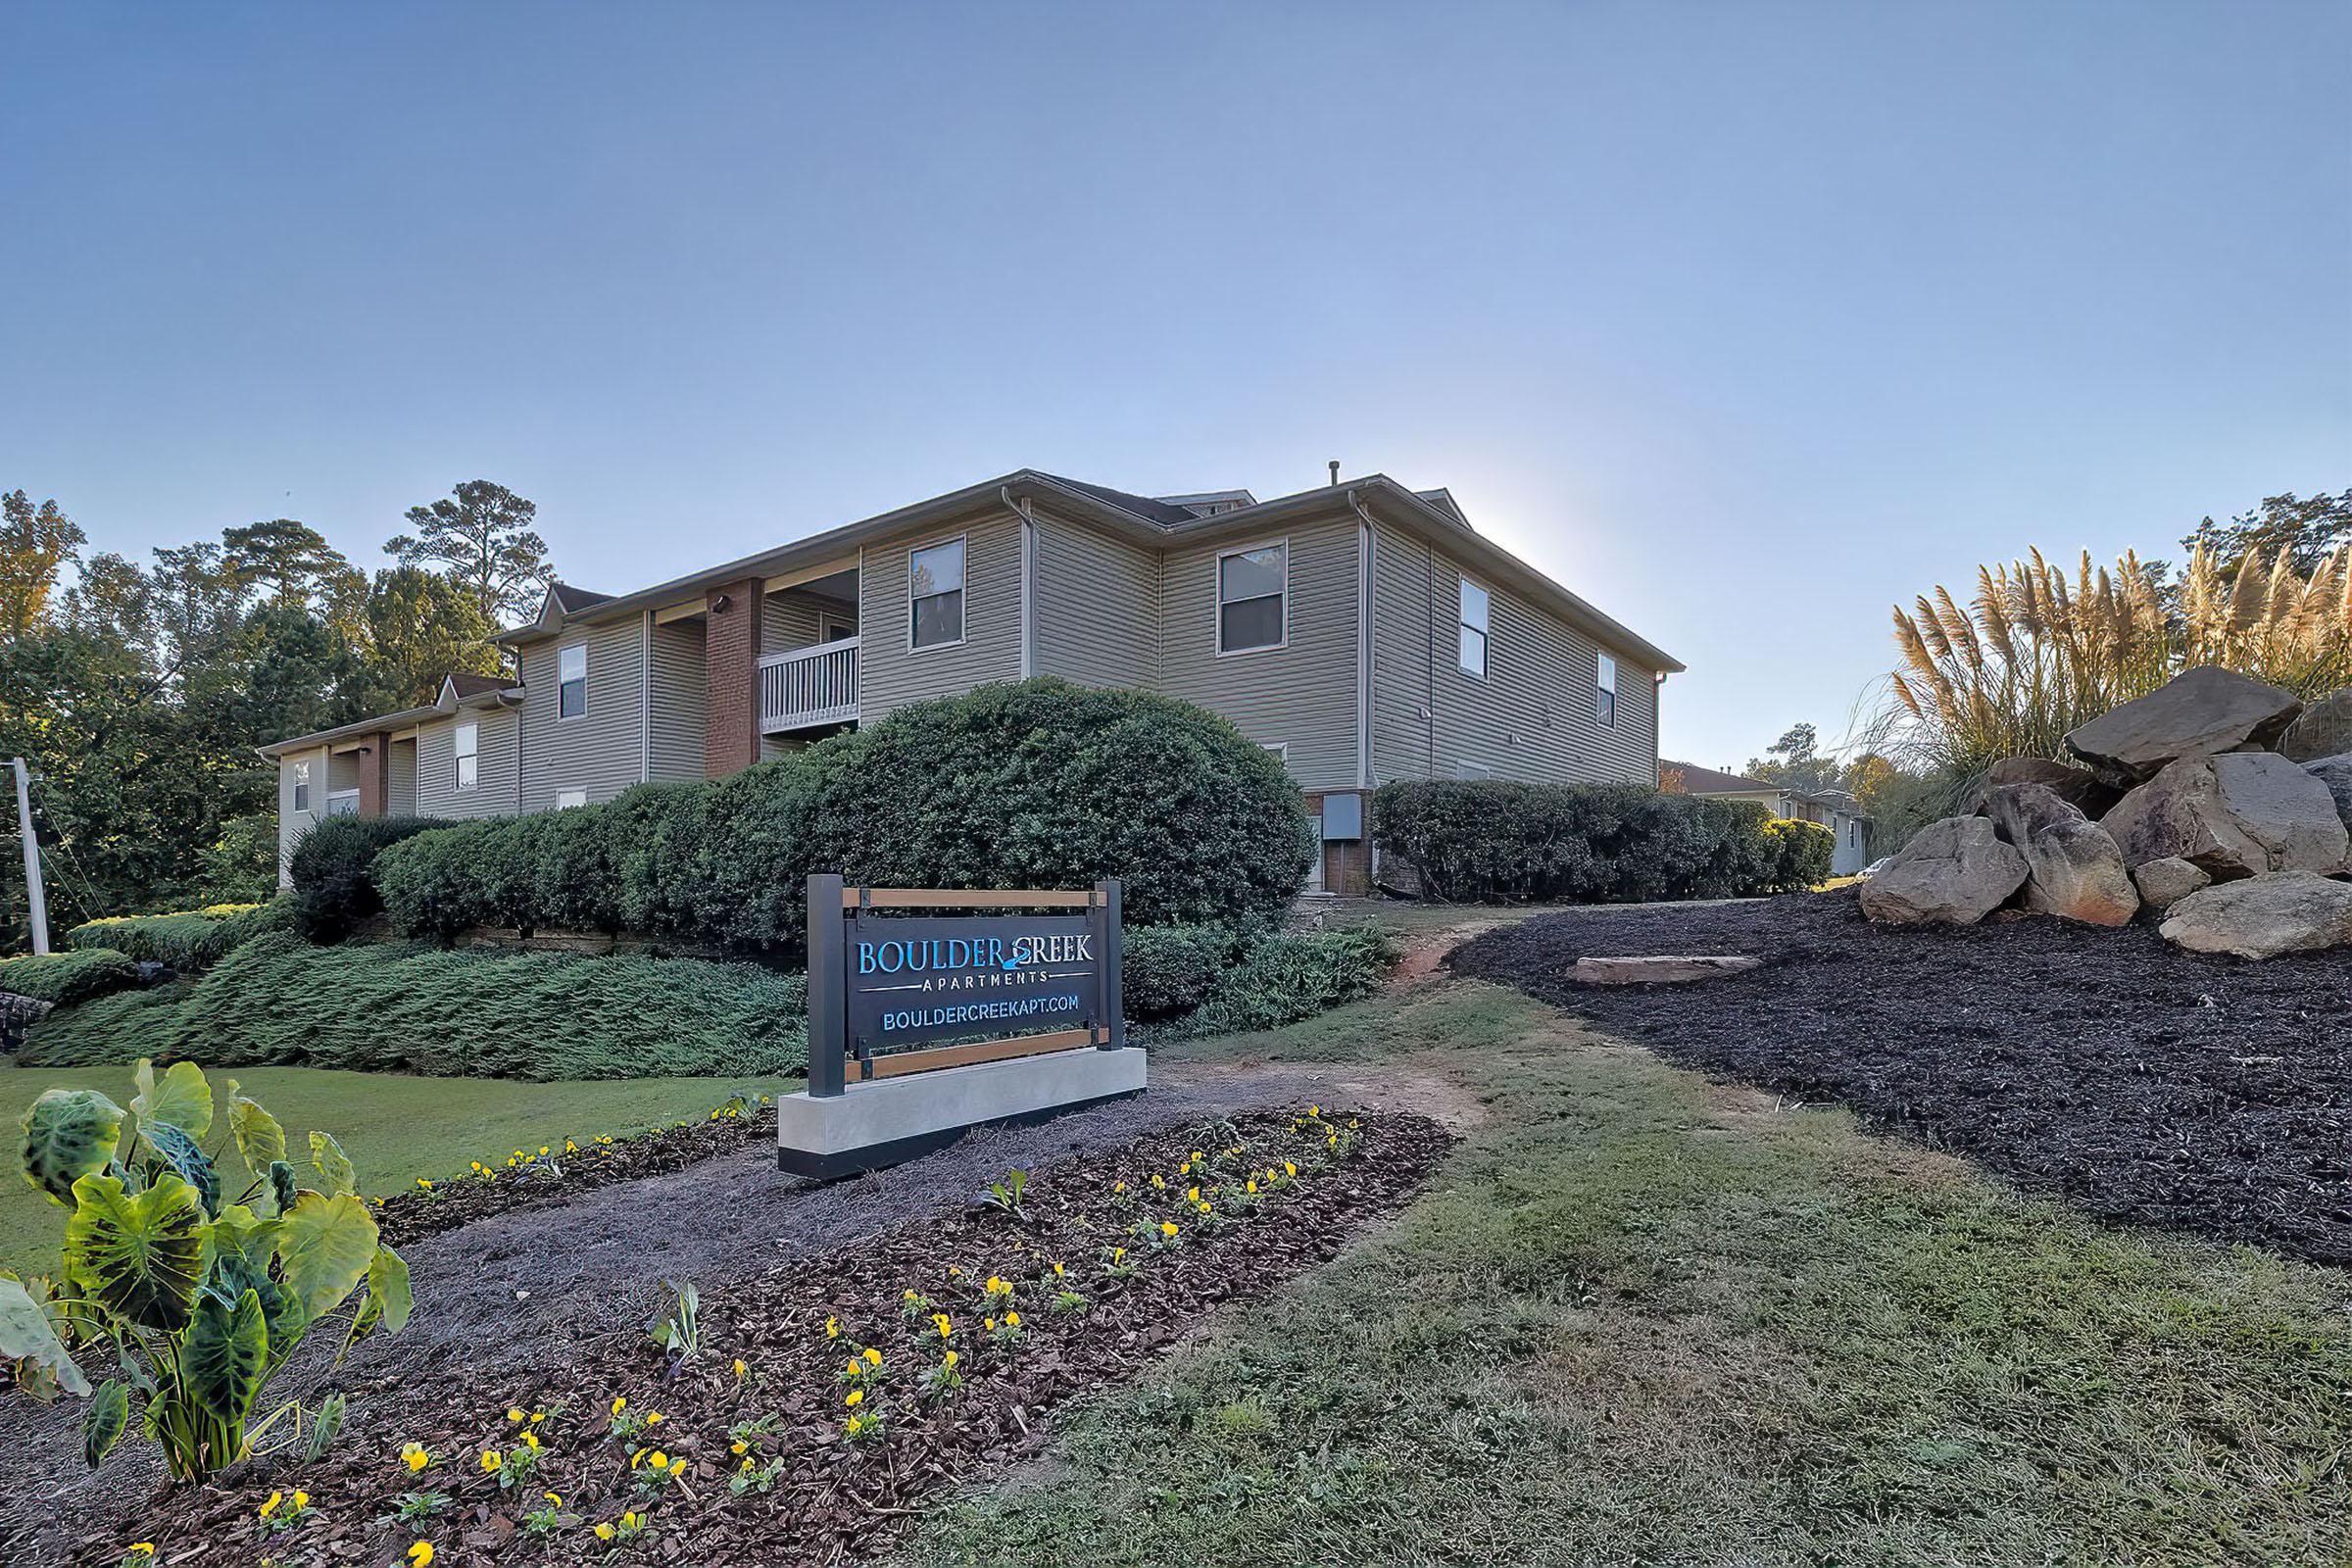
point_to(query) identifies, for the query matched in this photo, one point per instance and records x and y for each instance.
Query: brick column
(375, 773)
(732, 678)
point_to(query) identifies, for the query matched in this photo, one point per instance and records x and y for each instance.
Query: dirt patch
(831, 1498)
(2136, 1080)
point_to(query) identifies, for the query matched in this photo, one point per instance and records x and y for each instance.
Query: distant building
(1834, 809)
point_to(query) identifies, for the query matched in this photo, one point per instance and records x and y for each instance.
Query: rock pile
(2210, 801)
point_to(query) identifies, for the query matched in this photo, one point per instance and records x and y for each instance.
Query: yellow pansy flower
(420, 1555)
(491, 1460)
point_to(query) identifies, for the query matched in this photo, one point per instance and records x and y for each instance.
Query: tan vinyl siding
(293, 824)
(675, 748)
(1095, 607)
(493, 792)
(601, 752)
(400, 780)
(1532, 717)
(795, 620)
(889, 674)
(1300, 695)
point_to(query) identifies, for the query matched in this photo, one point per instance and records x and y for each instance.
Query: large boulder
(2263, 917)
(2324, 730)
(2336, 774)
(2196, 712)
(1955, 871)
(2073, 868)
(2166, 882)
(2238, 814)
(2078, 787)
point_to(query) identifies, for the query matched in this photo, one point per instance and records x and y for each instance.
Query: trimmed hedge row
(65, 978)
(333, 870)
(1492, 841)
(367, 1008)
(189, 941)
(1034, 784)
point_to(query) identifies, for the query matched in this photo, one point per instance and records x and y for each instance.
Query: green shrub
(334, 888)
(1170, 969)
(1806, 851)
(240, 865)
(1496, 842)
(67, 978)
(109, 1030)
(1037, 784)
(475, 1012)
(1294, 975)
(189, 941)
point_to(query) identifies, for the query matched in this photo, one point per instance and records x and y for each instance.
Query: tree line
(136, 693)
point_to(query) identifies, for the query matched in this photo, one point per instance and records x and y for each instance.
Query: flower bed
(823, 1406)
(522, 1179)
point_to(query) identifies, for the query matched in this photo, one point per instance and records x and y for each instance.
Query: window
(468, 737)
(571, 681)
(1474, 629)
(344, 805)
(1252, 598)
(566, 800)
(935, 595)
(302, 786)
(1604, 701)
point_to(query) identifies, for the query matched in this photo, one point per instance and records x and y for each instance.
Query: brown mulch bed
(834, 1500)
(2136, 1080)
(405, 1217)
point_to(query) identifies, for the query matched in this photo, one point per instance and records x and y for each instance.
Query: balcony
(809, 687)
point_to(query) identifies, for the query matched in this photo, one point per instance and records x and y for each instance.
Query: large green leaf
(178, 1151)
(68, 1134)
(138, 1256)
(109, 1414)
(183, 1100)
(325, 1250)
(333, 1165)
(282, 1190)
(388, 1299)
(259, 1137)
(27, 1335)
(237, 1232)
(220, 1361)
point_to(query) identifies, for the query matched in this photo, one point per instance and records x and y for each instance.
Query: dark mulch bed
(834, 1500)
(2138, 1081)
(406, 1217)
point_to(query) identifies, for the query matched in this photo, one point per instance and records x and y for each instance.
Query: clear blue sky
(1743, 321)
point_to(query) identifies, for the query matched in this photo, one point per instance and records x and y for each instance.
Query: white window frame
(302, 786)
(962, 592)
(466, 747)
(1604, 679)
(1216, 599)
(562, 680)
(1463, 583)
(568, 799)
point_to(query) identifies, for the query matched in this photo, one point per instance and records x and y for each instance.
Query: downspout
(1657, 719)
(1021, 509)
(1364, 643)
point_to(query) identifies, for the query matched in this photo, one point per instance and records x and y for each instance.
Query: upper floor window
(1474, 629)
(1604, 698)
(935, 595)
(468, 741)
(302, 786)
(571, 681)
(1252, 598)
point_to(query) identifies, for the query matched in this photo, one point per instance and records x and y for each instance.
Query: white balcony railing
(808, 686)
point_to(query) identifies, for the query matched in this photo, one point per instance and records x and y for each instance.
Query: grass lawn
(1643, 1318)
(395, 1128)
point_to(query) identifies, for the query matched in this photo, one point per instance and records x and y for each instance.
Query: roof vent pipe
(1335, 470)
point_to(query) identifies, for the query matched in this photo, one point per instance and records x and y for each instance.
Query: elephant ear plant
(201, 1296)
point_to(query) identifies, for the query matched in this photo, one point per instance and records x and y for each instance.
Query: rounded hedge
(1037, 784)
(333, 869)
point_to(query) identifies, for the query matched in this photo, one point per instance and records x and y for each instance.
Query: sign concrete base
(882, 1122)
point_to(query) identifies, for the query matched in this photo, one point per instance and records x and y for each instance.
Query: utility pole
(35, 899)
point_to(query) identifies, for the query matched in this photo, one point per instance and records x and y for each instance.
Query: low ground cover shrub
(378, 1007)
(189, 940)
(1289, 975)
(65, 978)
(1488, 840)
(118, 1027)
(1034, 784)
(332, 866)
